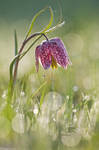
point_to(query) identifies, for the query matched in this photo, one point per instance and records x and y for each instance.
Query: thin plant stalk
(20, 51)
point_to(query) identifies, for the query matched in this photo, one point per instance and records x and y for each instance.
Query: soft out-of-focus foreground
(54, 109)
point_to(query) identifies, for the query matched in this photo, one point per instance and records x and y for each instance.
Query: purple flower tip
(51, 53)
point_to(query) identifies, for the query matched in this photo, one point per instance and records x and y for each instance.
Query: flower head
(51, 53)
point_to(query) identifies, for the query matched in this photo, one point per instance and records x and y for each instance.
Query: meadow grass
(55, 109)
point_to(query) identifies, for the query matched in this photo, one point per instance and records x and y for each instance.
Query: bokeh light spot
(18, 123)
(53, 101)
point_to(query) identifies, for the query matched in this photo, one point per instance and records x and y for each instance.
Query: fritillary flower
(51, 53)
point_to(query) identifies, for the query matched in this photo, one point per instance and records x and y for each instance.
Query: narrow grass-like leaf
(23, 54)
(42, 96)
(38, 89)
(11, 66)
(20, 55)
(10, 87)
(55, 27)
(33, 20)
(50, 22)
(16, 43)
(41, 86)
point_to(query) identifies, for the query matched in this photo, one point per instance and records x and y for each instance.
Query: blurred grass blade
(11, 66)
(50, 22)
(16, 43)
(41, 86)
(10, 87)
(34, 19)
(42, 96)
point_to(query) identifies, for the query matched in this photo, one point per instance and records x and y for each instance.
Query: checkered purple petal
(45, 55)
(52, 48)
(59, 52)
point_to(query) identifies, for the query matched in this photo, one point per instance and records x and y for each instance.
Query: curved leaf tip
(37, 15)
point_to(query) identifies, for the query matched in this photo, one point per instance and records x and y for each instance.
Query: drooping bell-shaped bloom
(51, 53)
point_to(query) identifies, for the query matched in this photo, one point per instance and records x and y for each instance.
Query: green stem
(18, 57)
(21, 49)
(21, 56)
